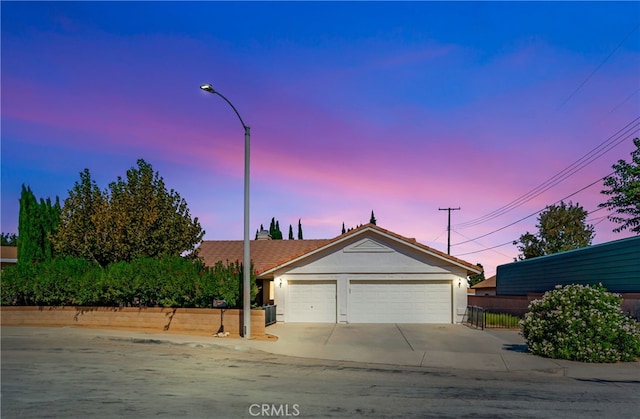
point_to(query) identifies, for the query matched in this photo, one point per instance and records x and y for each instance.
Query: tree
(131, 218)
(300, 229)
(82, 221)
(278, 232)
(623, 189)
(476, 278)
(274, 229)
(36, 223)
(290, 232)
(560, 228)
(343, 229)
(8, 239)
(258, 231)
(373, 218)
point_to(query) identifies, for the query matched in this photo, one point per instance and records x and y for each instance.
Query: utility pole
(449, 227)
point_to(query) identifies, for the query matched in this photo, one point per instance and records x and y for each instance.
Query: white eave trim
(381, 233)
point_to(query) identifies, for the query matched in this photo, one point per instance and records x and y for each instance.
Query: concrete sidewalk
(415, 345)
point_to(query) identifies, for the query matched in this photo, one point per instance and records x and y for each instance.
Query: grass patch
(502, 320)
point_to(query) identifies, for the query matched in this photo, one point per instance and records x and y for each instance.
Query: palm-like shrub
(581, 323)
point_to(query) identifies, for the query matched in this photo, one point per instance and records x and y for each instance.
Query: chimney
(264, 235)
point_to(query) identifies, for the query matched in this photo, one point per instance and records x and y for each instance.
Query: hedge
(170, 281)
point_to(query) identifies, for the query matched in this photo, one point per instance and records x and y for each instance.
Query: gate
(269, 314)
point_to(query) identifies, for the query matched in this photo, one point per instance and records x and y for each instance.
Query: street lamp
(246, 305)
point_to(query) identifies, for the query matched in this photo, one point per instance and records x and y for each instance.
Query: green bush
(581, 323)
(170, 281)
(15, 288)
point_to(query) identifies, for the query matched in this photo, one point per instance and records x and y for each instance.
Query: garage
(312, 301)
(399, 302)
(365, 275)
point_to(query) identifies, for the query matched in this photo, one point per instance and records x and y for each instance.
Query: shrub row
(170, 281)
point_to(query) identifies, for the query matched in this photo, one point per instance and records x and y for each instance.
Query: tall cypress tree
(373, 218)
(290, 232)
(343, 229)
(300, 229)
(272, 228)
(277, 231)
(28, 240)
(36, 223)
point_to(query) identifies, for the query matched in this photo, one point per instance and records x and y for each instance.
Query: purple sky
(399, 108)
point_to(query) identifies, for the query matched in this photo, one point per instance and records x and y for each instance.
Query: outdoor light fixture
(207, 88)
(246, 287)
(459, 283)
(280, 282)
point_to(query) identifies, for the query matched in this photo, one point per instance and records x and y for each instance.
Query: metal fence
(269, 314)
(481, 318)
(475, 317)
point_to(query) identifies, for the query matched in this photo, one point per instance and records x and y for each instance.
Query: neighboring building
(8, 256)
(368, 275)
(486, 287)
(616, 265)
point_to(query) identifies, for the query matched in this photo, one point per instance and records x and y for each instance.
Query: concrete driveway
(431, 345)
(426, 345)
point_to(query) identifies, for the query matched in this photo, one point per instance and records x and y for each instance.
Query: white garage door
(312, 301)
(399, 302)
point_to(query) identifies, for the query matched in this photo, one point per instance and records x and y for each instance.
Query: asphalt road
(50, 373)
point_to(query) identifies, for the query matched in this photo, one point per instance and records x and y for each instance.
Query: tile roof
(264, 253)
(269, 254)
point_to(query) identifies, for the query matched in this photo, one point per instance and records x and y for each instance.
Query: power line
(624, 101)
(613, 141)
(487, 248)
(557, 178)
(537, 212)
(601, 219)
(570, 170)
(484, 247)
(597, 218)
(597, 68)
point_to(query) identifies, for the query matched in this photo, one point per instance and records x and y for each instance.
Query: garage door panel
(312, 302)
(399, 302)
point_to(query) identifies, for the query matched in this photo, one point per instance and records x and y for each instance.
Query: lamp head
(207, 88)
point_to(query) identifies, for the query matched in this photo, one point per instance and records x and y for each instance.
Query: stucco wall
(370, 258)
(459, 293)
(204, 322)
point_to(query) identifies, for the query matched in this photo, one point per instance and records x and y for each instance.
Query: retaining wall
(199, 321)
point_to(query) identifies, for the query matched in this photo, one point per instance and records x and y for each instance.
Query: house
(615, 264)
(486, 287)
(367, 275)
(8, 256)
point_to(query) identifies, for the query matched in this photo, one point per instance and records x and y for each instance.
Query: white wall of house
(376, 270)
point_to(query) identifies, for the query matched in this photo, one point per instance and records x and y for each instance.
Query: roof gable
(268, 256)
(372, 245)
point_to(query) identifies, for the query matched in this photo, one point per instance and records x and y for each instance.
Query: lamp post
(246, 305)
